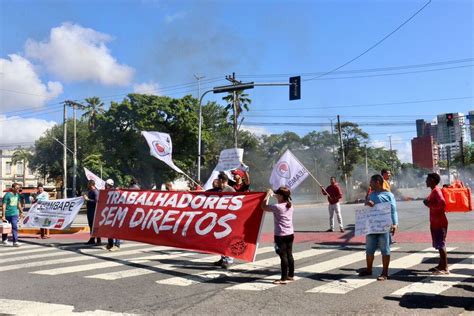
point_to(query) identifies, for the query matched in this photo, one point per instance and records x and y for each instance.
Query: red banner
(225, 223)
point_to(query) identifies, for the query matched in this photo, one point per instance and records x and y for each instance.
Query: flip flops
(382, 277)
(433, 269)
(440, 272)
(281, 282)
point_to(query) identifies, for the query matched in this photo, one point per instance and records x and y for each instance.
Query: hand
(4, 219)
(370, 203)
(85, 197)
(425, 201)
(393, 229)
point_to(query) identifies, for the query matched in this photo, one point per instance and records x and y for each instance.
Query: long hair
(286, 194)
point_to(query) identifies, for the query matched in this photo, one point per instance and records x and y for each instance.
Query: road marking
(109, 264)
(22, 252)
(435, 285)
(351, 283)
(6, 250)
(165, 267)
(20, 307)
(251, 266)
(320, 267)
(78, 257)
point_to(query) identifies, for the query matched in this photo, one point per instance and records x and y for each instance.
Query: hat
(238, 172)
(109, 182)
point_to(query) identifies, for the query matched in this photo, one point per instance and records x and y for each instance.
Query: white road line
(165, 267)
(77, 257)
(109, 264)
(56, 253)
(29, 251)
(21, 307)
(251, 266)
(435, 285)
(351, 283)
(6, 250)
(320, 267)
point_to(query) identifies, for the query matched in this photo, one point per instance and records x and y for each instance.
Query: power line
(373, 46)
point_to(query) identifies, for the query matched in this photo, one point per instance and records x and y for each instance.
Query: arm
(264, 205)
(246, 179)
(394, 213)
(4, 209)
(339, 193)
(323, 191)
(20, 208)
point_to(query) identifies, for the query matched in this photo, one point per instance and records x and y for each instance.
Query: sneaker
(114, 248)
(226, 265)
(108, 247)
(16, 244)
(6, 243)
(342, 230)
(219, 262)
(330, 230)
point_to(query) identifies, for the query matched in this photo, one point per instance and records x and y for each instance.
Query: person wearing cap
(283, 231)
(242, 180)
(41, 195)
(112, 244)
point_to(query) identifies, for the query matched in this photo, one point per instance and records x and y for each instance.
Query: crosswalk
(180, 268)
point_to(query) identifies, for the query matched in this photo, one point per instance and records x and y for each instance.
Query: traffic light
(449, 119)
(295, 88)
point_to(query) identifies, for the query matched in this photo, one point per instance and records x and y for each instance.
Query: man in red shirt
(334, 194)
(438, 222)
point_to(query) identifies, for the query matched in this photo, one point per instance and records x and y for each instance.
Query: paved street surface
(62, 276)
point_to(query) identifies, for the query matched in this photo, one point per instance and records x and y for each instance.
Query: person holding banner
(283, 230)
(334, 194)
(91, 201)
(41, 195)
(242, 180)
(380, 240)
(12, 211)
(438, 222)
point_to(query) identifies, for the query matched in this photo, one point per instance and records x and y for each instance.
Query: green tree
(93, 109)
(24, 156)
(353, 137)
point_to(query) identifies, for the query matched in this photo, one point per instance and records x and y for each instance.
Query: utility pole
(65, 152)
(198, 78)
(74, 168)
(343, 155)
(235, 102)
(366, 165)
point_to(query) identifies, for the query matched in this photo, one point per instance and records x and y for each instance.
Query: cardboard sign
(373, 220)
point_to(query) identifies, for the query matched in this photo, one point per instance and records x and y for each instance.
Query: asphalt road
(61, 276)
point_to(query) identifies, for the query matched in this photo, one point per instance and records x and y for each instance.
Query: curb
(71, 230)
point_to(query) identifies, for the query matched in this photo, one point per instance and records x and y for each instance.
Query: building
(471, 124)
(451, 134)
(425, 152)
(14, 173)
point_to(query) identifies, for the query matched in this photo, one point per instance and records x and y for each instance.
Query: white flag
(99, 183)
(288, 172)
(161, 148)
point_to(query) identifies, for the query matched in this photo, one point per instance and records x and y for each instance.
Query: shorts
(377, 241)
(438, 235)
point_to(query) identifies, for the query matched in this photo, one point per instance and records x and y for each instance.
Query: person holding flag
(334, 194)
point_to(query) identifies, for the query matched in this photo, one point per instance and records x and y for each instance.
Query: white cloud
(31, 129)
(402, 147)
(170, 18)
(75, 53)
(256, 130)
(150, 88)
(21, 85)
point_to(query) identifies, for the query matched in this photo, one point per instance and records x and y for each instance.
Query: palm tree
(24, 156)
(242, 101)
(93, 108)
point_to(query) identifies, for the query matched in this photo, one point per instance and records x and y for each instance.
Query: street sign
(295, 88)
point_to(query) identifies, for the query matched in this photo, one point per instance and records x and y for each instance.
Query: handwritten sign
(230, 159)
(373, 220)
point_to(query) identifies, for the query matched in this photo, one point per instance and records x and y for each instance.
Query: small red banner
(225, 223)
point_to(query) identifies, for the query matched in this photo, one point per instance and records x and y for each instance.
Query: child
(438, 222)
(283, 220)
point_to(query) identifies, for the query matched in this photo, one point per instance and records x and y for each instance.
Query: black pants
(90, 221)
(284, 248)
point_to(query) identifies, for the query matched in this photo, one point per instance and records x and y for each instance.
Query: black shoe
(90, 242)
(342, 230)
(330, 230)
(219, 263)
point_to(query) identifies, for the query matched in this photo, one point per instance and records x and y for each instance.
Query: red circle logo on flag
(283, 170)
(160, 149)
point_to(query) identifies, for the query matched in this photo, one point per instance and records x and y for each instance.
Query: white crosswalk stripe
(252, 266)
(163, 267)
(6, 250)
(30, 250)
(321, 267)
(349, 284)
(435, 285)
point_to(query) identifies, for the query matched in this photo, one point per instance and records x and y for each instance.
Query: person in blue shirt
(382, 240)
(12, 211)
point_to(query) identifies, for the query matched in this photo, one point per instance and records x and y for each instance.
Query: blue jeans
(14, 221)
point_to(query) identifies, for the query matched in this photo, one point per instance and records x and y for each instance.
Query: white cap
(109, 182)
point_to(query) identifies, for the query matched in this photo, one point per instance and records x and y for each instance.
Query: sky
(54, 50)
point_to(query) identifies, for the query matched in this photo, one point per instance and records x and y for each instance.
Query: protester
(223, 180)
(334, 194)
(379, 241)
(386, 174)
(12, 211)
(91, 201)
(169, 186)
(112, 244)
(215, 186)
(41, 195)
(438, 222)
(241, 180)
(283, 231)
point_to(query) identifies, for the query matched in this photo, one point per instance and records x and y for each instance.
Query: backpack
(457, 197)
